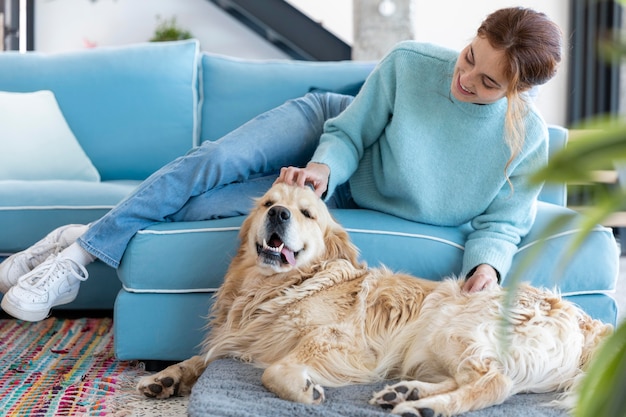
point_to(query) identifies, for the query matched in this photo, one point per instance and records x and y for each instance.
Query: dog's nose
(279, 214)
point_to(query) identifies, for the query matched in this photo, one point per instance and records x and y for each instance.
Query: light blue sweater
(410, 149)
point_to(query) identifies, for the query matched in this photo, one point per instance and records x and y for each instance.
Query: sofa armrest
(555, 193)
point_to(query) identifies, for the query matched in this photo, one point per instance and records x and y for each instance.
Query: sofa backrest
(132, 108)
(236, 90)
(555, 193)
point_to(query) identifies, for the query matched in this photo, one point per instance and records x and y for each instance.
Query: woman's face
(479, 74)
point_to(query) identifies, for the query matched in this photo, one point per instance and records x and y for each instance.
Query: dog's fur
(311, 315)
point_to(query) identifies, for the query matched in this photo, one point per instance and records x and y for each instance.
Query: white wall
(62, 25)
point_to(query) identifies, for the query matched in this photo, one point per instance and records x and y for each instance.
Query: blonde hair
(532, 45)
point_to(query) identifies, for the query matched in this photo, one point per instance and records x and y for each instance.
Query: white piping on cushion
(558, 235)
(15, 208)
(415, 235)
(372, 232)
(350, 230)
(181, 231)
(589, 292)
(157, 291)
(212, 290)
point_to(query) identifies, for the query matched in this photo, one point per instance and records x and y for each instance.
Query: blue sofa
(134, 108)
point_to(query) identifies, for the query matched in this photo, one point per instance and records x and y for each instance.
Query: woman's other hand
(484, 276)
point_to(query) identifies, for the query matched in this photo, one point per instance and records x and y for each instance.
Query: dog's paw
(291, 381)
(315, 392)
(409, 409)
(392, 395)
(162, 385)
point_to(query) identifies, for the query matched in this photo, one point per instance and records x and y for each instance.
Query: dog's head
(291, 228)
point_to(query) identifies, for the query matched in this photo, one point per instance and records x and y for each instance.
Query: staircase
(288, 29)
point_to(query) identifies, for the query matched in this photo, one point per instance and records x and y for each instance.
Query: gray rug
(229, 388)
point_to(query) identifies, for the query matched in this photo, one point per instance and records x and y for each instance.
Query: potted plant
(168, 30)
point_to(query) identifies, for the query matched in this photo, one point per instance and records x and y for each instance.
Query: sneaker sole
(34, 315)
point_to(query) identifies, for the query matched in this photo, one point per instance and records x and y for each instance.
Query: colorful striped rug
(65, 367)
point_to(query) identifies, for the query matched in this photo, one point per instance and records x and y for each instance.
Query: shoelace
(38, 279)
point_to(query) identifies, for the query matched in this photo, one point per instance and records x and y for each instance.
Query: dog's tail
(594, 332)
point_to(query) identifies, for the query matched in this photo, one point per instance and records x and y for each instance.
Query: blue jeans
(219, 179)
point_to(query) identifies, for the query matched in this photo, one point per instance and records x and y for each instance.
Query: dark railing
(11, 11)
(288, 29)
(593, 78)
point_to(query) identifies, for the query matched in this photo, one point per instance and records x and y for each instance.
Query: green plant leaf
(603, 390)
(602, 145)
(599, 148)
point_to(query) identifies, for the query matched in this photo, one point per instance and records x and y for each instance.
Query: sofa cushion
(37, 143)
(236, 90)
(30, 209)
(174, 269)
(132, 108)
(198, 253)
(181, 325)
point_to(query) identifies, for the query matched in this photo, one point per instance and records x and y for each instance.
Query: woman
(434, 136)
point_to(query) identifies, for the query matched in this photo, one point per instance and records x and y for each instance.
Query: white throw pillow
(36, 143)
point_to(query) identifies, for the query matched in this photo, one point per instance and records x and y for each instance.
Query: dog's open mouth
(276, 249)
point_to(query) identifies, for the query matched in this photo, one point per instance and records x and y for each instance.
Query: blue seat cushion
(197, 254)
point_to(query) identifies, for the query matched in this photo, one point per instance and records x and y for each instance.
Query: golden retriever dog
(297, 302)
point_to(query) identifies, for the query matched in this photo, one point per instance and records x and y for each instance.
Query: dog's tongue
(288, 254)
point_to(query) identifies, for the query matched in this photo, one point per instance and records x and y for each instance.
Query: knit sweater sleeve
(346, 137)
(498, 231)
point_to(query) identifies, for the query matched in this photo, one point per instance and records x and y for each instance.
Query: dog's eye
(268, 203)
(306, 213)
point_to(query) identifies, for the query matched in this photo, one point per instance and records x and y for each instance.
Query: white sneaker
(52, 283)
(23, 262)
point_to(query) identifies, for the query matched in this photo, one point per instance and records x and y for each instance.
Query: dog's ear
(246, 241)
(339, 245)
(244, 230)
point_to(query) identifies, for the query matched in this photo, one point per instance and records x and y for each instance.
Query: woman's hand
(483, 277)
(314, 174)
